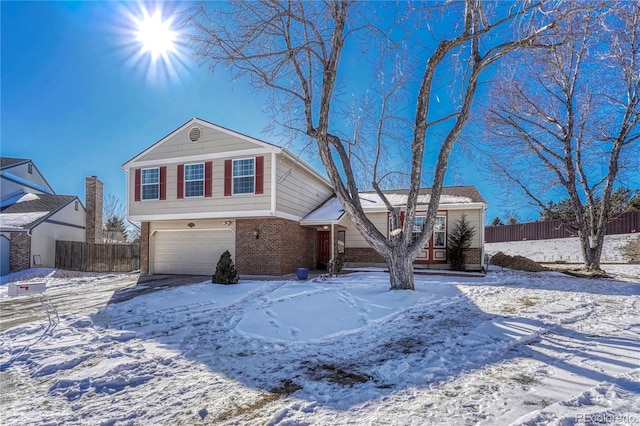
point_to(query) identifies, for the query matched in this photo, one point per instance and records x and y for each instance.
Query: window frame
(143, 184)
(234, 177)
(416, 234)
(341, 241)
(444, 231)
(185, 180)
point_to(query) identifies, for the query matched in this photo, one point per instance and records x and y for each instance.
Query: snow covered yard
(509, 348)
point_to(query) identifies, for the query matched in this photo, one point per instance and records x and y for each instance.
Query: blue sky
(77, 100)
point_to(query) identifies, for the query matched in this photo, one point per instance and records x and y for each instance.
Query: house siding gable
(298, 191)
(211, 142)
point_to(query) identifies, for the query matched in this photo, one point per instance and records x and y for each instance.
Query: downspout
(273, 184)
(482, 239)
(332, 242)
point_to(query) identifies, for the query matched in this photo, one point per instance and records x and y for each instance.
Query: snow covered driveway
(509, 348)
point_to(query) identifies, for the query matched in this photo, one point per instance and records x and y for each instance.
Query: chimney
(93, 230)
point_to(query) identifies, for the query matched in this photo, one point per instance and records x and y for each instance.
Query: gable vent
(194, 134)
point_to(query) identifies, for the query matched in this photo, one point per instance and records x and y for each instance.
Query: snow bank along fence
(89, 257)
(626, 223)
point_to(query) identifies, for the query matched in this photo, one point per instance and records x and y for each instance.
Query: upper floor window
(30, 168)
(244, 176)
(194, 180)
(151, 184)
(76, 205)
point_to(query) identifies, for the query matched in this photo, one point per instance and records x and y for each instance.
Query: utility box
(26, 288)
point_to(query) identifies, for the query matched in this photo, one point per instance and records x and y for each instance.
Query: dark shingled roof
(8, 161)
(44, 203)
(469, 191)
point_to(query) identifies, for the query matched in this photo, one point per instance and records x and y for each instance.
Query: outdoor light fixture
(191, 224)
(395, 232)
(325, 227)
(226, 222)
(256, 233)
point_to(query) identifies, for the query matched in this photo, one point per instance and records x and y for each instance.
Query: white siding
(298, 191)
(353, 238)
(44, 236)
(212, 141)
(215, 206)
(474, 217)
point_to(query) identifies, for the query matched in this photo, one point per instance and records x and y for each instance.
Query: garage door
(190, 252)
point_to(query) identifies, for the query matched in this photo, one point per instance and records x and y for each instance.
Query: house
(204, 189)
(33, 216)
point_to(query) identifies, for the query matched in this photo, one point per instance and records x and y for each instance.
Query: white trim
(142, 184)
(191, 230)
(184, 180)
(424, 207)
(202, 215)
(198, 158)
(233, 176)
(273, 183)
(197, 121)
(290, 216)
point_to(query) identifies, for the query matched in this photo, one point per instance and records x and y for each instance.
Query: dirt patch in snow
(520, 263)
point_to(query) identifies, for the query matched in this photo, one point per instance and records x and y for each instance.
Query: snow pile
(510, 347)
(562, 249)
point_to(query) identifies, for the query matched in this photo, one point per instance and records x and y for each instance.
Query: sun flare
(152, 42)
(156, 35)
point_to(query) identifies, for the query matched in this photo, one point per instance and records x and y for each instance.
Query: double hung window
(194, 180)
(244, 176)
(150, 184)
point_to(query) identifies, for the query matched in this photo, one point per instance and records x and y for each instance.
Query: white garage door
(190, 252)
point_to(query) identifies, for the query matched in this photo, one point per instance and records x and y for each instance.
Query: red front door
(324, 249)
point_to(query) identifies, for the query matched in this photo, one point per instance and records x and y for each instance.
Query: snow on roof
(19, 221)
(371, 201)
(330, 211)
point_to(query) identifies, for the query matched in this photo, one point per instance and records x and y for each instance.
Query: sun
(152, 42)
(155, 35)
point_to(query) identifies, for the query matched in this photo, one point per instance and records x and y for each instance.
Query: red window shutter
(138, 184)
(259, 175)
(180, 181)
(163, 183)
(208, 178)
(228, 165)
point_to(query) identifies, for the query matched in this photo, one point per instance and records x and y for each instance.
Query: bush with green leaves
(459, 240)
(225, 270)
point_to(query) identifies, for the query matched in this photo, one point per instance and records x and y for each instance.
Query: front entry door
(324, 249)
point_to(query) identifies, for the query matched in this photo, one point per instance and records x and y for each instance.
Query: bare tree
(565, 121)
(303, 54)
(116, 226)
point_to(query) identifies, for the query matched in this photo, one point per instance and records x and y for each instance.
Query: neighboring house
(33, 216)
(204, 189)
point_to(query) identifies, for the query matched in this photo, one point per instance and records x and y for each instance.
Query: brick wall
(144, 247)
(363, 256)
(473, 256)
(93, 194)
(282, 247)
(19, 251)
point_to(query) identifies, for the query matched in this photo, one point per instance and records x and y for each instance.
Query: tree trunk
(400, 270)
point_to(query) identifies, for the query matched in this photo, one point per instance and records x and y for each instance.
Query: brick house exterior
(204, 189)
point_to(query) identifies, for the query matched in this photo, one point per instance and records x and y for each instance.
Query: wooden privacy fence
(626, 223)
(88, 257)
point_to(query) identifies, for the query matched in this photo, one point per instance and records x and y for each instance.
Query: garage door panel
(190, 252)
